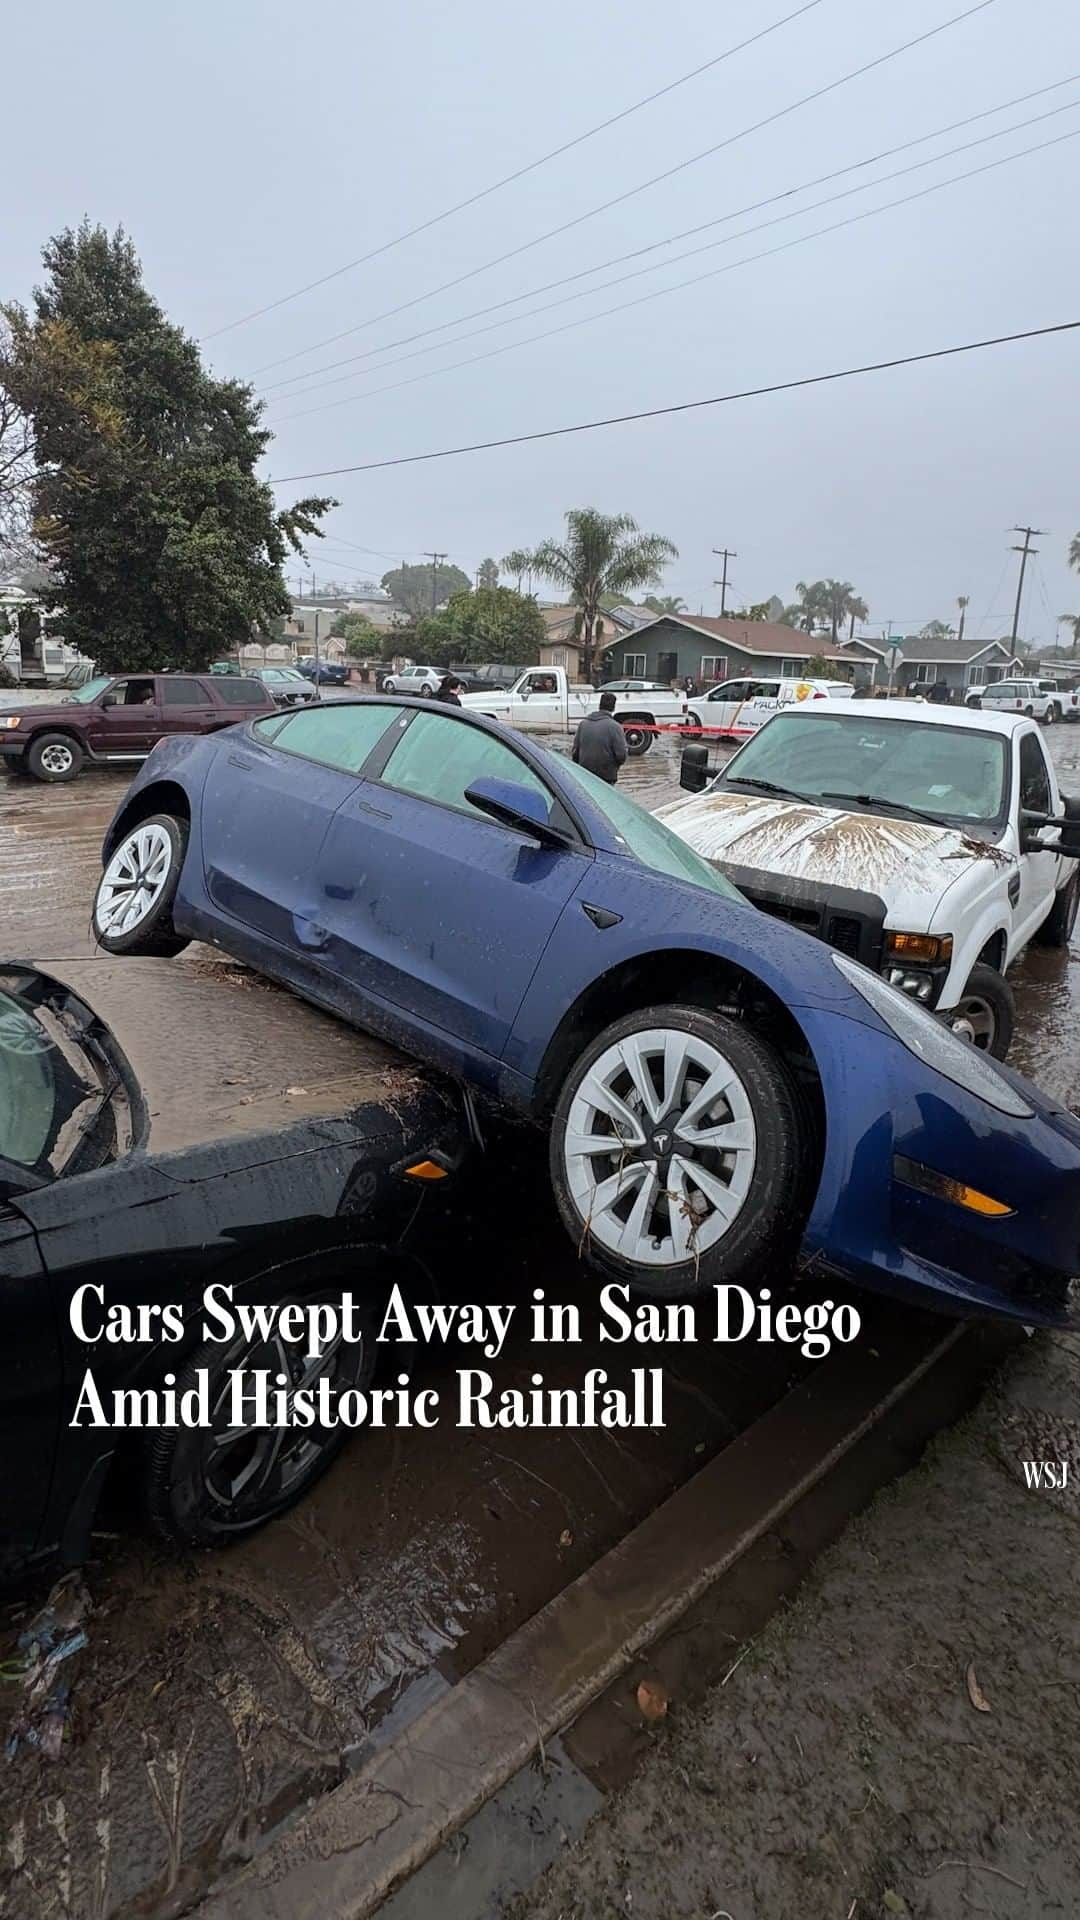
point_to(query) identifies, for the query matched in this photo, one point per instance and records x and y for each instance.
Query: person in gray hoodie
(600, 743)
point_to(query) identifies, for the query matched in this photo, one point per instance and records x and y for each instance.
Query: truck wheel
(202, 1487)
(1030, 712)
(985, 1013)
(676, 1147)
(133, 904)
(638, 740)
(54, 757)
(1057, 928)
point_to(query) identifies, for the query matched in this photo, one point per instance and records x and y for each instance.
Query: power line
(520, 173)
(685, 406)
(693, 253)
(687, 233)
(679, 286)
(631, 192)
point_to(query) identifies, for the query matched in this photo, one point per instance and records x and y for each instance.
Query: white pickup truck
(931, 845)
(543, 701)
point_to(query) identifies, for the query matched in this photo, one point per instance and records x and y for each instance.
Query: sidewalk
(846, 1771)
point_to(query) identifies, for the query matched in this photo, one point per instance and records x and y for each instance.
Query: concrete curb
(343, 1858)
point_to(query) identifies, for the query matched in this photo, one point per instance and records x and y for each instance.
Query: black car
(144, 1172)
(325, 673)
(488, 677)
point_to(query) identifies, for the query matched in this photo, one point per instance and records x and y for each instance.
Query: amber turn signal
(913, 1174)
(919, 946)
(426, 1170)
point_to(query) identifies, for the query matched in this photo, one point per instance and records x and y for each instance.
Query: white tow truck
(932, 845)
(542, 700)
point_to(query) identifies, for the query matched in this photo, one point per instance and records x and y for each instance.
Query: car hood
(39, 711)
(879, 853)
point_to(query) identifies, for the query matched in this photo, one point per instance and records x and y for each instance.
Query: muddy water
(221, 1691)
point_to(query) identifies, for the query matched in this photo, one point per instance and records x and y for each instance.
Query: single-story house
(962, 664)
(562, 646)
(699, 647)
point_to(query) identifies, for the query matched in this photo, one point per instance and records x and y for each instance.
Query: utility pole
(434, 558)
(1029, 533)
(725, 554)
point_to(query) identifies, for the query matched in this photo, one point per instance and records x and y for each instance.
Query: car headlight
(10, 720)
(925, 1037)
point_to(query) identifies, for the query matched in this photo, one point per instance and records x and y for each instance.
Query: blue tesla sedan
(715, 1083)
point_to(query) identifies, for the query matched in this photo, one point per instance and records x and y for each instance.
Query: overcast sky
(251, 147)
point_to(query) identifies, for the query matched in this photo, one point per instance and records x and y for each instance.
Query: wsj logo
(1046, 1474)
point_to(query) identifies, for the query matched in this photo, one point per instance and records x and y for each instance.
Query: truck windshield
(645, 837)
(950, 773)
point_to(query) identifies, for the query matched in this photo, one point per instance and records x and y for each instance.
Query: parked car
(326, 673)
(1021, 696)
(712, 1081)
(481, 677)
(414, 680)
(916, 838)
(734, 709)
(121, 717)
(227, 666)
(108, 1182)
(635, 686)
(542, 700)
(286, 684)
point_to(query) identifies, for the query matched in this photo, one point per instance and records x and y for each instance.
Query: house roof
(752, 636)
(949, 652)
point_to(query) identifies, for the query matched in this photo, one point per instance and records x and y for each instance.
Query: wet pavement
(222, 1691)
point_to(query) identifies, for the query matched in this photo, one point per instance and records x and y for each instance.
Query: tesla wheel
(676, 1148)
(1057, 928)
(205, 1486)
(638, 739)
(54, 757)
(134, 900)
(985, 1014)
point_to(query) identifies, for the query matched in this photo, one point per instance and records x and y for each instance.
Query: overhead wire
(693, 160)
(685, 406)
(484, 193)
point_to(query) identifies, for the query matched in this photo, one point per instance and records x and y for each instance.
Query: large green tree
(167, 548)
(496, 624)
(420, 591)
(601, 553)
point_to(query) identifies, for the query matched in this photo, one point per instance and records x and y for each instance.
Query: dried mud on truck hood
(891, 857)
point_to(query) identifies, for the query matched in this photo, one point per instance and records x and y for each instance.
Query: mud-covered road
(221, 1691)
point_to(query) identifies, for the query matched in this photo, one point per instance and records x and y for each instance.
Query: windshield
(646, 838)
(951, 773)
(92, 689)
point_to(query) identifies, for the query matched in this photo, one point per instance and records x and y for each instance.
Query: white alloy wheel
(660, 1147)
(133, 881)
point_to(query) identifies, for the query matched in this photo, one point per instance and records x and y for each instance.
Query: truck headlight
(932, 948)
(928, 1040)
(10, 720)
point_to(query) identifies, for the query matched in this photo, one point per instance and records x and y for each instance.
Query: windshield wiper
(765, 786)
(889, 806)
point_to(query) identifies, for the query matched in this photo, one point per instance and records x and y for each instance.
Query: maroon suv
(120, 717)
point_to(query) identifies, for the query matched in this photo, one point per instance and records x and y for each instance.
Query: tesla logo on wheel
(661, 1141)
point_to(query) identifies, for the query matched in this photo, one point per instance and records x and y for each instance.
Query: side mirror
(525, 691)
(110, 700)
(513, 806)
(694, 769)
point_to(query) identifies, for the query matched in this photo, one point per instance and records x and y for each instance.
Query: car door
(185, 703)
(762, 700)
(129, 719)
(269, 798)
(1038, 871)
(538, 703)
(720, 708)
(433, 907)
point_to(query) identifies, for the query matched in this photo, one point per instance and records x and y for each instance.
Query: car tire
(1029, 712)
(54, 757)
(734, 1203)
(985, 1013)
(638, 738)
(154, 849)
(1057, 928)
(207, 1486)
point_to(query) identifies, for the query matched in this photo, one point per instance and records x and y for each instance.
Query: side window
(731, 690)
(178, 691)
(133, 693)
(1034, 779)
(764, 689)
(542, 683)
(438, 757)
(335, 736)
(240, 693)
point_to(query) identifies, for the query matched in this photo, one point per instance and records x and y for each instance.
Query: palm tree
(808, 611)
(602, 553)
(487, 574)
(664, 603)
(1072, 620)
(518, 563)
(838, 600)
(1074, 553)
(934, 630)
(962, 601)
(857, 611)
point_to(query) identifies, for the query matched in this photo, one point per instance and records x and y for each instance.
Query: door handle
(380, 813)
(238, 760)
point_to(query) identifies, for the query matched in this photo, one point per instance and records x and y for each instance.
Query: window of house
(792, 669)
(634, 666)
(714, 666)
(976, 676)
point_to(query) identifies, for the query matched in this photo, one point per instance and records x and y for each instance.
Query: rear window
(337, 735)
(234, 692)
(179, 691)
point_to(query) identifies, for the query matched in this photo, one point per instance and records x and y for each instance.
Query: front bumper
(885, 1234)
(12, 747)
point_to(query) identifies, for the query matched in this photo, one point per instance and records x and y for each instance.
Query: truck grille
(845, 918)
